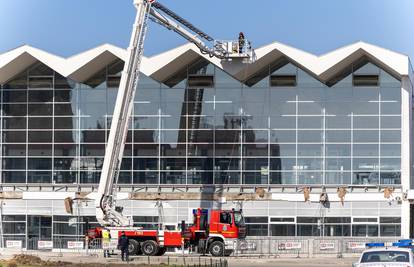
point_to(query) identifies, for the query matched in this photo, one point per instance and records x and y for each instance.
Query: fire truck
(212, 231)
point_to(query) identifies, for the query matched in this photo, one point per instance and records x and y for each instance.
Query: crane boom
(107, 213)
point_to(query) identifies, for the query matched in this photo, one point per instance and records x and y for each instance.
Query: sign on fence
(110, 244)
(289, 245)
(75, 244)
(13, 244)
(356, 245)
(41, 244)
(326, 245)
(247, 246)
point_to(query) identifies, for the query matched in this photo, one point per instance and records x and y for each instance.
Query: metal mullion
(27, 128)
(214, 142)
(352, 147)
(379, 136)
(268, 148)
(296, 137)
(78, 152)
(324, 148)
(132, 144)
(53, 135)
(1, 154)
(241, 144)
(186, 145)
(159, 144)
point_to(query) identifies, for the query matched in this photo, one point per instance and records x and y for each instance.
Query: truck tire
(217, 249)
(133, 246)
(161, 251)
(149, 248)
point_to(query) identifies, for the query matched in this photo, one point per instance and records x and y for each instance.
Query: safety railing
(304, 247)
(252, 246)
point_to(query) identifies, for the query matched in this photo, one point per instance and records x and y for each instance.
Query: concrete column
(406, 126)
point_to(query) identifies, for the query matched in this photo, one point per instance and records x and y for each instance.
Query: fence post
(339, 255)
(311, 244)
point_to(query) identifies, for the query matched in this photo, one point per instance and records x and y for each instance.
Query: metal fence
(301, 247)
(253, 246)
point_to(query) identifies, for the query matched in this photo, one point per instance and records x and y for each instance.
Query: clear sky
(66, 27)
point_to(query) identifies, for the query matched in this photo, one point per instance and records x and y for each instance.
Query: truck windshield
(238, 219)
(385, 256)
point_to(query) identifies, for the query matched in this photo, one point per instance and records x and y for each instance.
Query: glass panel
(366, 136)
(283, 178)
(14, 123)
(310, 136)
(282, 164)
(307, 150)
(371, 122)
(282, 150)
(390, 136)
(338, 150)
(282, 136)
(366, 150)
(339, 177)
(14, 177)
(282, 230)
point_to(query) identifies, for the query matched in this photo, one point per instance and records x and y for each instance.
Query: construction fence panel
(252, 246)
(326, 246)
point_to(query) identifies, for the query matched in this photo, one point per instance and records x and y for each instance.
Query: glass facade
(201, 126)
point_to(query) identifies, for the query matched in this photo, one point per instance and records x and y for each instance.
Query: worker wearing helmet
(242, 42)
(106, 240)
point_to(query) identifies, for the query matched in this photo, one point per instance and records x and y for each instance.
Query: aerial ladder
(107, 213)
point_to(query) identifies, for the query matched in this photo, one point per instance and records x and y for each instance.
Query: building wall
(54, 130)
(201, 126)
(273, 218)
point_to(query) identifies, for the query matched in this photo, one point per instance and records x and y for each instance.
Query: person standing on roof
(123, 243)
(242, 42)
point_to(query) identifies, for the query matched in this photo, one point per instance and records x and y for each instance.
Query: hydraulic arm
(106, 211)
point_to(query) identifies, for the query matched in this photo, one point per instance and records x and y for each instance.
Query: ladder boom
(107, 213)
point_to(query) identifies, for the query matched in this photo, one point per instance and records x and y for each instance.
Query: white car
(386, 257)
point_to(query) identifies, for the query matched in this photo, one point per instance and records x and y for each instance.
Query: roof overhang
(163, 66)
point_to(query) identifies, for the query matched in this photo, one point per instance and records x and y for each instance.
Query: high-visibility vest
(105, 234)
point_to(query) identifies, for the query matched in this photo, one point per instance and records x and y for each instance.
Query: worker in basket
(123, 246)
(242, 42)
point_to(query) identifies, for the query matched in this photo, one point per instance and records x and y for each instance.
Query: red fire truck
(212, 231)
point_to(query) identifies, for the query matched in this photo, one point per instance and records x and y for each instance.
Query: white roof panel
(162, 66)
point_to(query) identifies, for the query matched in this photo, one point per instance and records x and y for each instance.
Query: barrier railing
(304, 247)
(252, 246)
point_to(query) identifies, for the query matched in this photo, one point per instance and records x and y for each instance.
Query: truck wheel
(133, 247)
(149, 248)
(216, 248)
(161, 251)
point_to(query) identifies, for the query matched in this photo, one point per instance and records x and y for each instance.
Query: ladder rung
(187, 24)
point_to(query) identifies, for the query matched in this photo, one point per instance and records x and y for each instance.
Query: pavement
(194, 260)
(287, 262)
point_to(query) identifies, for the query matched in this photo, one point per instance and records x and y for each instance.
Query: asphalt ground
(176, 259)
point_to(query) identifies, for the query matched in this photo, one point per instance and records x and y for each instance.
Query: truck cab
(216, 231)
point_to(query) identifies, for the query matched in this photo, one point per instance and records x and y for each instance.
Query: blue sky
(67, 27)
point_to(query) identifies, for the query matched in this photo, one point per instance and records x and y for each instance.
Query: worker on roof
(242, 42)
(106, 240)
(123, 243)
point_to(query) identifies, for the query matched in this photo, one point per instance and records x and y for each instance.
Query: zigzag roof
(160, 67)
